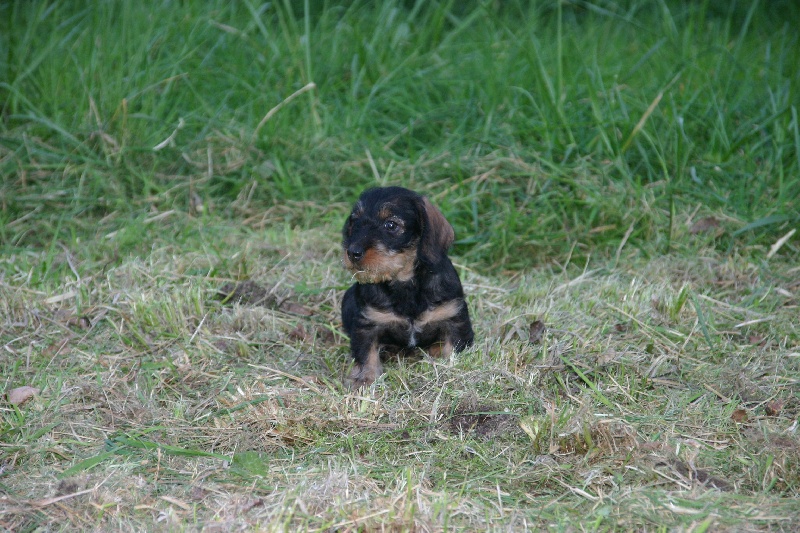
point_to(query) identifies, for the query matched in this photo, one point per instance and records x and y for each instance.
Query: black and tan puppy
(408, 294)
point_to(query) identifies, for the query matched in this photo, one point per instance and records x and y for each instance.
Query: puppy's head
(389, 231)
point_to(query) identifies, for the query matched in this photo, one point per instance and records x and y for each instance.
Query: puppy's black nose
(355, 253)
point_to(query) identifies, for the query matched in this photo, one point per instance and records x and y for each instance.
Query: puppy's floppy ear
(437, 233)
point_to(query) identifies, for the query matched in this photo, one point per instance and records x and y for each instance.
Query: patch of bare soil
(482, 420)
(247, 293)
(252, 294)
(700, 475)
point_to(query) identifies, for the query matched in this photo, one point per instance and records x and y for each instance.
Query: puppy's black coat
(408, 294)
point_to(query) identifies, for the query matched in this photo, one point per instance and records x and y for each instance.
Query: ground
(650, 392)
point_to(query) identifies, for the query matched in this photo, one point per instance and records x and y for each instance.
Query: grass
(625, 173)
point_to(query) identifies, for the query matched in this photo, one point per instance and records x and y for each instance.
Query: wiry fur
(408, 294)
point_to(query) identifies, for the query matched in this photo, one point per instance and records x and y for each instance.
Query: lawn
(623, 178)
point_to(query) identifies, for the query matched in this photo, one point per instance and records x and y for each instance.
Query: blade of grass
(765, 221)
(649, 111)
(122, 442)
(701, 319)
(88, 464)
(595, 390)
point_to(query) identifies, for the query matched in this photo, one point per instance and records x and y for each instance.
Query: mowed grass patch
(660, 393)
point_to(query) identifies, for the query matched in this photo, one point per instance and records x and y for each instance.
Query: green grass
(626, 172)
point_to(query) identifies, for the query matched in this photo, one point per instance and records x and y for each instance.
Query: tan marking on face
(406, 261)
(379, 265)
(444, 312)
(384, 318)
(384, 213)
(372, 257)
(366, 374)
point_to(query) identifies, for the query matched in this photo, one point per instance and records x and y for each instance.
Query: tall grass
(546, 126)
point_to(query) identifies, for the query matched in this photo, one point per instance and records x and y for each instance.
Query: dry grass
(662, 393)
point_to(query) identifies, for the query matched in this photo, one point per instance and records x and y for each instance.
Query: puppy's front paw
(364, 375)
(440, 350)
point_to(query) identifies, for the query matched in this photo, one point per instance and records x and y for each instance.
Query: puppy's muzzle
(355, 252)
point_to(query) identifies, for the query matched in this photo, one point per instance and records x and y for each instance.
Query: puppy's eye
(391, 225)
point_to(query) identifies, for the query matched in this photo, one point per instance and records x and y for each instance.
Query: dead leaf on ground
(300, 334)
(257, 502)
(773, 408)
(704, 225)
(21, 395)
(756, 339)
(739, 416)
(536, 332)
(81, 322)
(296, 308)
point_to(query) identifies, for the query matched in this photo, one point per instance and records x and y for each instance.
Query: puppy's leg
(461, 334)
(442, 348)
(456, 336)
(367, 367)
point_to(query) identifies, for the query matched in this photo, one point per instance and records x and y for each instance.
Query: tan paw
(364, 375)
(440, 349)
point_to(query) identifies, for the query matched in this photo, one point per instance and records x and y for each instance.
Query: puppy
(407, 295)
